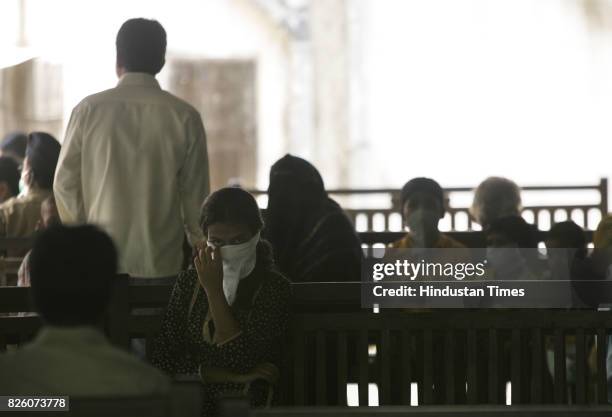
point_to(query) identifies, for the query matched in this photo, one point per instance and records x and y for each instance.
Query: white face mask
(422, 224)
(238, 262)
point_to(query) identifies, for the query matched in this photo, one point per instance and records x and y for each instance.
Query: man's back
(134, 162)
(79, 362)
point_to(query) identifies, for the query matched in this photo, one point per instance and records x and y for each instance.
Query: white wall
(460, 90)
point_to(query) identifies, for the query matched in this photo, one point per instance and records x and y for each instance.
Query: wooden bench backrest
(330, 332)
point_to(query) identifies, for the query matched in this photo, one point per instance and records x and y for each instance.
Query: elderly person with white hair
(494, 198)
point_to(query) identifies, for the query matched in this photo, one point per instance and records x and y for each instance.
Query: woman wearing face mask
(226, 318)
(422, 203)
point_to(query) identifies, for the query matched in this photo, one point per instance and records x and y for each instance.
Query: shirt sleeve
(261, 334)
(67, 186)
(193, 180)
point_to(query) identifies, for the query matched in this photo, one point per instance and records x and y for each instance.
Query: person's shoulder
(96, 98)
(180, 104)
(277, 281)
(402, 243)
(187, 276)
(449, 242)
(186, 280)
(9, 204)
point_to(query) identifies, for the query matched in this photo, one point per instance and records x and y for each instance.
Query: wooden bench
(434, 411)
(331, 343)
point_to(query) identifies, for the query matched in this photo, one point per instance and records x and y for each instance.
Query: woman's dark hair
(141, 46)
(42, 154)
(235, 205)
(231, 205)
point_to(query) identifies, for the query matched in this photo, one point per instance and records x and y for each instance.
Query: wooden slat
(516, 367)
(363, 358)
(449, 365)
(406, 368)
(428, 369)
(537, 340)
(384, 358)
(320, 369)
(118, 311)
(299, 368)
(341, 367)
(493, 374)
(602, 342)
(472, 358)
(581, 362)
(560, 379)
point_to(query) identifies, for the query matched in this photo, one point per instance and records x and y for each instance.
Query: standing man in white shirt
(134, 160)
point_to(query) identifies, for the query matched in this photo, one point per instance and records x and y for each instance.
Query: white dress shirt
(77, 361)
(134, 162)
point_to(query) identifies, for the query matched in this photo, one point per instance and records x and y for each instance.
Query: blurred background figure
(20, 215)
(495, 197)
(9, 178)
(13, 145)
(312, 237)
(422, 203)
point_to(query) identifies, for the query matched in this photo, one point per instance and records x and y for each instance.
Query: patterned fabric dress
(185, 343)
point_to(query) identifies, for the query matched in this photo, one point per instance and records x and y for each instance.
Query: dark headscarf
(312, 237)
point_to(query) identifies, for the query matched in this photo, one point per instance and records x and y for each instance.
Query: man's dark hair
(71, 273)
(9, 173)
(141, 46)
(14, 143)
(42, 153)
(422, 185)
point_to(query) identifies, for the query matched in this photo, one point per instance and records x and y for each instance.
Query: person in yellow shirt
(422, 202)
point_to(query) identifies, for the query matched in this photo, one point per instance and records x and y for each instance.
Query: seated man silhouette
(71, 271)
(422, 203)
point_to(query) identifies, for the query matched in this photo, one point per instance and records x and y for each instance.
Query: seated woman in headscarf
(226, 319)
(313, 239)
